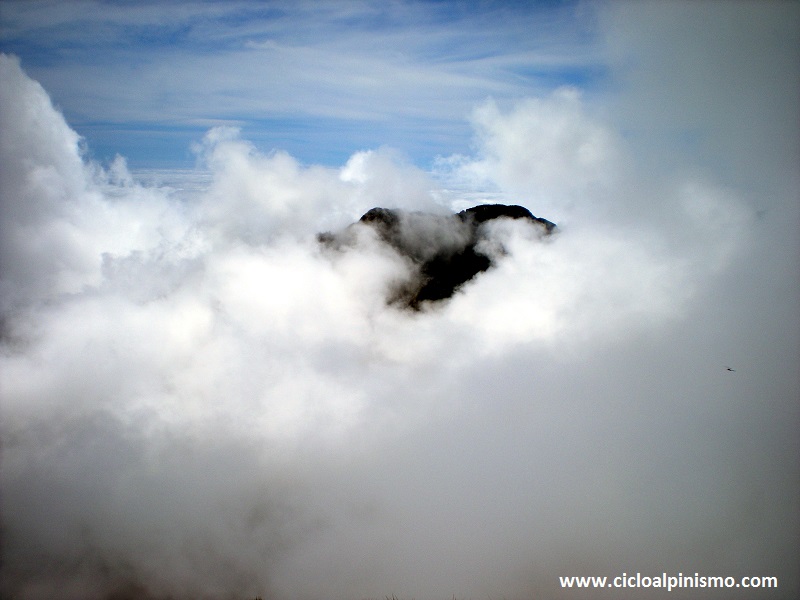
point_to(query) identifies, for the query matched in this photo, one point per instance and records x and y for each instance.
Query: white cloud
(547, 149)
(718, 83)
(200, 401)
(56, 224)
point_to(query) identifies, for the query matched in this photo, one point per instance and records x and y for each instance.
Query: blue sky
(318, 79)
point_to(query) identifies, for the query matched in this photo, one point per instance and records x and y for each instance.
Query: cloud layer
(200, 402)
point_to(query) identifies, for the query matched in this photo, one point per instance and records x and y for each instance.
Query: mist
(200, 401)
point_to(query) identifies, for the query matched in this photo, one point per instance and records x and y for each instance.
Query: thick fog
(201, 401)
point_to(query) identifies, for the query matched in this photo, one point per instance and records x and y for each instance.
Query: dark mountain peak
(384, 217)
(442, 248)
(487, 212)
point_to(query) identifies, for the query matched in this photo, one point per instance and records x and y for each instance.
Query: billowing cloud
(200, 401)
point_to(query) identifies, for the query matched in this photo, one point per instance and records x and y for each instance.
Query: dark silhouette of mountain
(443, 249)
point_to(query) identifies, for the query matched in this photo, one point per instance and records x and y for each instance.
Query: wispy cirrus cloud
(400, 67)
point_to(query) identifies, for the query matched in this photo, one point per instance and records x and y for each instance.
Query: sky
(200, 401)
(320, 80)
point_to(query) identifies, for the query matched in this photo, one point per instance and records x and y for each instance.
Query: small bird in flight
(731, 370)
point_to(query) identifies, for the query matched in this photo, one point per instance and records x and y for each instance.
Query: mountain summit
(445, 250)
